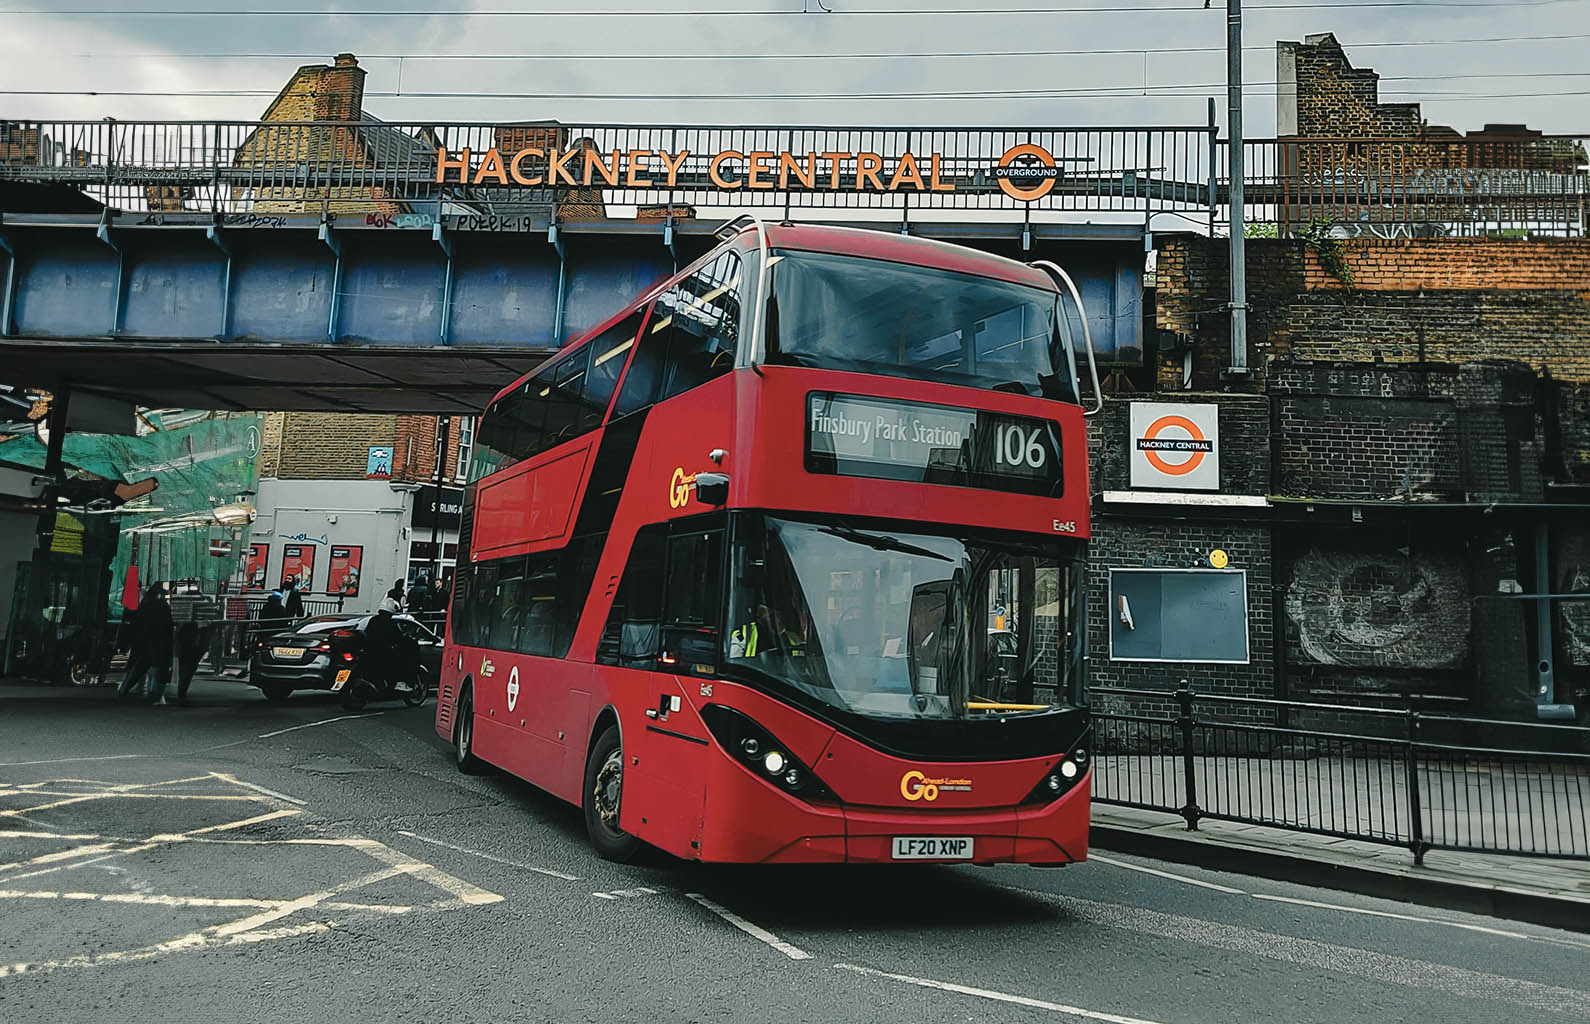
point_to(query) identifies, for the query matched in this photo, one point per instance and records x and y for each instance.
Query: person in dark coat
(292, 602)
(190, 648)
(419, 595)
(150, 646)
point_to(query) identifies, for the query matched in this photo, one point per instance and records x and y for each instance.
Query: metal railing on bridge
(518, 173)
(1400, 777)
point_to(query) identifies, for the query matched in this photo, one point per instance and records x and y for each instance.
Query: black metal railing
(1400, 777)
(262, 173)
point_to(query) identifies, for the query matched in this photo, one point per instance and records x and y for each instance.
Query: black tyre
(422, 688)
(464, 735)
(352, 698)
(277, 694)
(604, 792)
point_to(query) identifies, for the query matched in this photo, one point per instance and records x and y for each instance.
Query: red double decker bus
(784, 562)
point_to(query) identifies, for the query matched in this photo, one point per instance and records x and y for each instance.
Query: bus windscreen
(895, 624)
(874, 316)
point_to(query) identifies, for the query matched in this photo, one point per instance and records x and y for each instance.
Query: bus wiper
(881, 542)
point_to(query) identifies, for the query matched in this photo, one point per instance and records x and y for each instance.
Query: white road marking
(1165, 874)
(12, 833)
(755, 931)
(154, 841)
(1423, 920)
(65, 760)
(306, 902)
(234, 780)
(162, 900)
(628, 894)
(470, 894)
(1349, 960)
(311, 725)
(191, 942)
(486, 856)
(1003, 997)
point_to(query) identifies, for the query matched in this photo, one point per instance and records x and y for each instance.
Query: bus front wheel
(604, 790)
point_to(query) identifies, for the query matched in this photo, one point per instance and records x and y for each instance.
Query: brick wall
(1322, 93)
(414, 455)
(1126, 543)
(316, 92)
(330, 446)
(1414, 300)
(1244, 441)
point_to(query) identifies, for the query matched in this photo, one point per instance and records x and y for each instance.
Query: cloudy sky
(912, 61)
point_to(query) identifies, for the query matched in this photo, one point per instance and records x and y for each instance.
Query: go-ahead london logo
(1027, 173)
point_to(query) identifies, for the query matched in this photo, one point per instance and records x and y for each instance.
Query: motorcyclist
(385, 649)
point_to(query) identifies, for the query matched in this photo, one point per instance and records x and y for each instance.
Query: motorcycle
(357, 691)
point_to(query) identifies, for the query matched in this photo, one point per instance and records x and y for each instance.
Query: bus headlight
(1063, 774)
(756, 749)
(1069, 769)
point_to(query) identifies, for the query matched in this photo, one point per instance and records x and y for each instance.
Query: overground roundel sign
(1174, 446)
(513, 688)
(1027, 173)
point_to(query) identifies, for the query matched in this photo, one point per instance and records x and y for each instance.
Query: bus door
(689, 642)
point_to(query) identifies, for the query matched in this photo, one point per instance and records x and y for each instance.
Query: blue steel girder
(300, 286)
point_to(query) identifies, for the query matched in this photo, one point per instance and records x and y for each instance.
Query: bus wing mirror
(712, 488)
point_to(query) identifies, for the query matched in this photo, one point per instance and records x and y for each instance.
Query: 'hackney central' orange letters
(729, 170)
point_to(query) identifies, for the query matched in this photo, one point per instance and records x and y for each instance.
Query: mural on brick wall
(1364, 609)
(1573, 617)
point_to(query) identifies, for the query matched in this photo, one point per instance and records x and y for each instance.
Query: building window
(466, 441)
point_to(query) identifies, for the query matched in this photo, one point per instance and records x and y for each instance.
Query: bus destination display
(891, 439)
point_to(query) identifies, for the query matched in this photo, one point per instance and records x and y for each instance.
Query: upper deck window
(872, 316)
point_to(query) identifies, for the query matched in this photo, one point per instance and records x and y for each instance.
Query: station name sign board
(1174, 446)
(892, 439)
(1025, 173)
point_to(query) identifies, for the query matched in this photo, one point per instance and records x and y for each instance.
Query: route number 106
(1014, 446)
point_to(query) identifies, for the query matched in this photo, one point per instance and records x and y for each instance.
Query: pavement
(235, 860)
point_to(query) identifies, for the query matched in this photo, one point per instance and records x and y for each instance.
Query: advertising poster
(298, 562)
(254, 568)
(342, 573)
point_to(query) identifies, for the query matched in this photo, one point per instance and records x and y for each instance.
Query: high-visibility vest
(745, 637)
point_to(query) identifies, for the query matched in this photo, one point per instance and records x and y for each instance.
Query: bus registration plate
(932, 848)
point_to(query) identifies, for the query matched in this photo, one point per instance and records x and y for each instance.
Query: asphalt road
(237, 861)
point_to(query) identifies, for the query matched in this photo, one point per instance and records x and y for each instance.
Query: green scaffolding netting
(169, 532)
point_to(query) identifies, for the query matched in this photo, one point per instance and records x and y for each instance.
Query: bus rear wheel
(464, 734)
(604, 791)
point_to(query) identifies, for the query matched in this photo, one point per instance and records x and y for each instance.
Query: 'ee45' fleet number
(1065, 526)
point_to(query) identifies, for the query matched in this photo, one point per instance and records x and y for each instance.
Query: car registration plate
(933, 847)
(341, 680)
(288, 652)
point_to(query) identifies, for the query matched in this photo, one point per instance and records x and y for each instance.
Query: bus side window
(538, 607)
(704, 324)
(644, 378)
(609, 350)
(562, 397)
(629, 637)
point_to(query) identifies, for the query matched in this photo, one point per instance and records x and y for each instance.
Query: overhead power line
(1116, 92)
(1137, 9)
(1098, 51)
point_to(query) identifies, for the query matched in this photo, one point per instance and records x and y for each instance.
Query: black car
(324, 653)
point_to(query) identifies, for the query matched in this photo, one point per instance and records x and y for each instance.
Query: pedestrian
(396, 593)
(189, 649)
(292, 603)
(438, 595)
(151, 646)
(419, 594)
